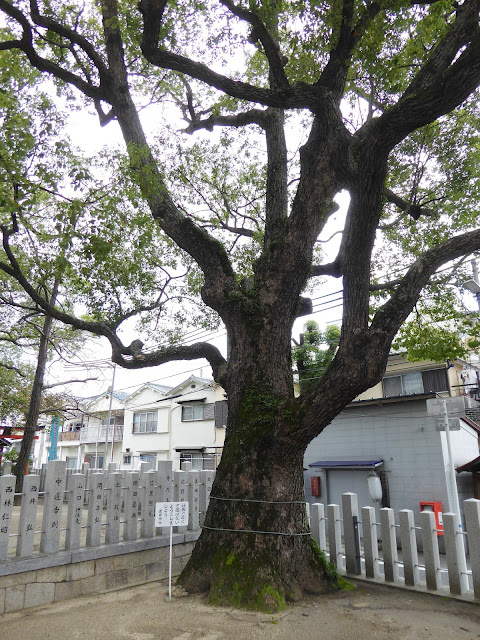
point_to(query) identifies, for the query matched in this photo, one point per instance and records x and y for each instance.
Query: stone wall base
(41, 580)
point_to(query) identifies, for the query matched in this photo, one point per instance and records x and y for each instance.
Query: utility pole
(453, 501)
(109, 417)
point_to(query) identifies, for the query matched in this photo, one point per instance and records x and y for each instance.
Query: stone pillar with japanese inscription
(55, 482)
(164, 492)
(7, 493)
(193, 485)
(132, 485)
(76, 495)
(204, 490)
(147, 524)
(180, 492)
(95, 508)
(28, 513)
(114, 507)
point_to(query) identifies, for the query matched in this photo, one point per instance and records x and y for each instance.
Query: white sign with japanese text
(171, 514)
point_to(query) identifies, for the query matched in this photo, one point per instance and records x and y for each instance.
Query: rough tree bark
(34, 405)
(255, 549)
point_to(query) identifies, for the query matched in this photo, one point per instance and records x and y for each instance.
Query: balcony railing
(69, 436)
(92, 434)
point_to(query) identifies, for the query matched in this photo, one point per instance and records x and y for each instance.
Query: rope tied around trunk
(272, 533)
(262, 501)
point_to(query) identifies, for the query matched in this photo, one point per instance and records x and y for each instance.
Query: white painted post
(95, 507)
(7, 493)
(52, 505)
(28, 513)
(454, 548)
(350, 532)
(114, 507)
(389, 544)
(318, 524)
(193, 501)
(370, 542)
(180, 492)
(147, 524)
(472, 522)
(76, 495)
(430, 550)
(164, 488)
(335, 535)
(409, 547)
(131, 506)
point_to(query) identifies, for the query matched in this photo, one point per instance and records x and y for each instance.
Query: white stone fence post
(397, 560)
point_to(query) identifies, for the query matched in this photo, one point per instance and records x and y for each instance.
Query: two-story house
(87, 437)
(153, 423)
(181, 423)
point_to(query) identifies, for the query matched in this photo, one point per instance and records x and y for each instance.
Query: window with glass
(409, 384)
(145, 422)
(151, 458)
(198, 412)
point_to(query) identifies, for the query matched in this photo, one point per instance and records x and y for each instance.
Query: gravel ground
(144, 613)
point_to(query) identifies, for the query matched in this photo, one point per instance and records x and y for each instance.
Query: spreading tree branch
(25, 44)
(260, 33)
(254, 116)
(448, 77)
(391, 315)
(139, 360)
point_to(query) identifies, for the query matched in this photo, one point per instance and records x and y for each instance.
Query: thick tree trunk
(33, 412)
(256, 550)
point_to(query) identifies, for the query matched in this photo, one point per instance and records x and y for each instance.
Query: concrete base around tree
(41, 580)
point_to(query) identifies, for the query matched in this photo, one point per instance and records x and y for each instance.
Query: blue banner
(52, 454)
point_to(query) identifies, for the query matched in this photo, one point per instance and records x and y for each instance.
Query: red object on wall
(315, 480)
(437, 509)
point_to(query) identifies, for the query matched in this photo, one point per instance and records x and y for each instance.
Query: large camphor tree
(301, 100)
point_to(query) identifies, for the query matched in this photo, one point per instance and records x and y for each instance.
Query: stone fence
(396, 560)
(72, 533)
(79, 533)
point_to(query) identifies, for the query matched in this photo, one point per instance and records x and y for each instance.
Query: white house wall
(158, 442)
(195, 434)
